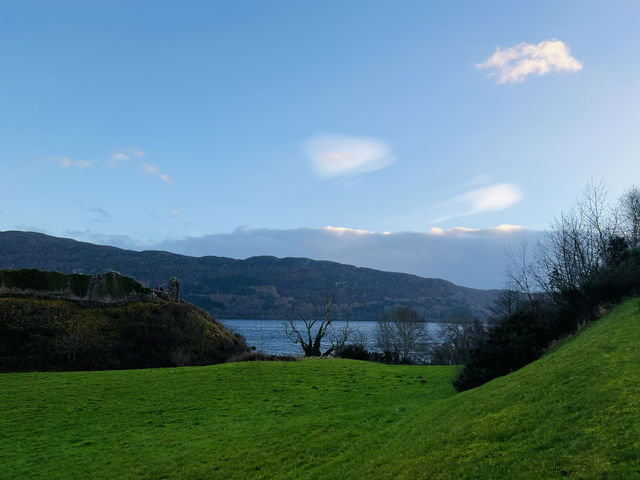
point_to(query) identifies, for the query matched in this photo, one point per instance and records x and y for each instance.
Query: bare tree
(578, 242)
(78, 335)
(522, 277)
(601, 219)
(358, 338)
(385, 336)
(401, 336)
(458, 334)
(316, 328)
(410, 329)
(507, 302)
(630, 216)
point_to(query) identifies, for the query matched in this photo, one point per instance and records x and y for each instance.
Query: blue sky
(148, 124)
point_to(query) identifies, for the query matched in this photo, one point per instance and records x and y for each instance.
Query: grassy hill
(574, 413)
(38, 334)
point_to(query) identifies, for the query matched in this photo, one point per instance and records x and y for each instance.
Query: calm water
(269, 336)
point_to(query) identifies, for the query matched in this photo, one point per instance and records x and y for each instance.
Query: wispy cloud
(133, 155)
(345, 156)
(136, 152)
(30, 228)
(122, 241)
(118, 159)
(155, 171)
(504, 228)
(124, 156)
(487, 199)
(514, 64)
(66, 162)
(480, 179)
(100, 212)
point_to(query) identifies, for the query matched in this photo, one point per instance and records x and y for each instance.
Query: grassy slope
(577, 410)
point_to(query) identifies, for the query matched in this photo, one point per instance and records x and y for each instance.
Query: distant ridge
(259, 287)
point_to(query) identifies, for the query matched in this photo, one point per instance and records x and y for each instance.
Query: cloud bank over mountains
(465, 256)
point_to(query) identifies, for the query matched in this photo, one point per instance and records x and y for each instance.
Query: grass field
(575, 413)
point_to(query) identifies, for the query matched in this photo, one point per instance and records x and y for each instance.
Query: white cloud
(514, 64)
(480, 179)
(137, 152)
(101, 212)
(122, 241)
(472, 257)
(345, 156)
(467, 256)
(508, 228)
(343, 230)
(504, 228)
(153, 170)
(493, 198)
(118, 159)
(66, 162)
(124, 156)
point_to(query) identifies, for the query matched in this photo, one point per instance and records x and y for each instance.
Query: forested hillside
(258, 287)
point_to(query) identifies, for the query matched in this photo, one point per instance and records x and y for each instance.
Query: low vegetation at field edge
(573, 413)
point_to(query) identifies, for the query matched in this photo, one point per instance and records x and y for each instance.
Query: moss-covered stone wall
(108, 288)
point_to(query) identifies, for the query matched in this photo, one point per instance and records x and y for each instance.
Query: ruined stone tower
(174, 289)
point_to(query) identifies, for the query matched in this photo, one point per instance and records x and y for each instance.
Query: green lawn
(576, 410)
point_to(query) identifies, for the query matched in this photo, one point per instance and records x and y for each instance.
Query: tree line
(401, 336)
(589, 260)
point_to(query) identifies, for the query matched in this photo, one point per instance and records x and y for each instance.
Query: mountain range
(260, 287)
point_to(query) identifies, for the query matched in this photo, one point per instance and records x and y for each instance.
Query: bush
(525, 335)
(118, 286)
(515, 341)
(32, 279)
(354, 352)
(260, 356)
(79, 284)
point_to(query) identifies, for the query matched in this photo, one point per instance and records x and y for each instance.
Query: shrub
(118, 286)
(515, 341)
(32, 279)
(260, 356)
(79, 284)
(354, 352)
(525, 335)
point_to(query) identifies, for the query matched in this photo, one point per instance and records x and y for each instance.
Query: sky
(424, 137)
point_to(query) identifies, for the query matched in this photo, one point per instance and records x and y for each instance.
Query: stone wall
(105, 289)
